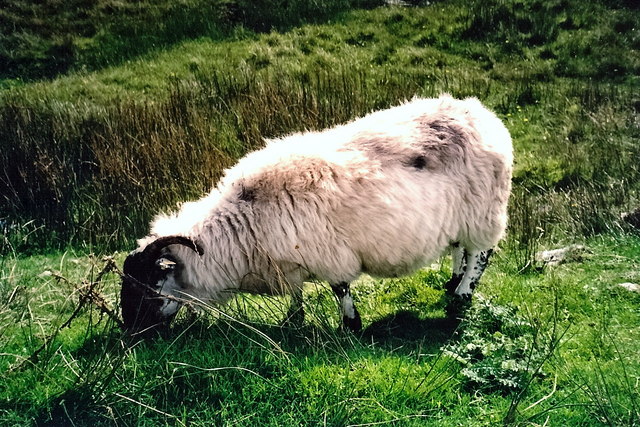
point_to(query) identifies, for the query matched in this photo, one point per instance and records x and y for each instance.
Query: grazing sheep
(384, 194)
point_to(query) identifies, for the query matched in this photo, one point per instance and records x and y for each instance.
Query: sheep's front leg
(350, 316)
(476, 264)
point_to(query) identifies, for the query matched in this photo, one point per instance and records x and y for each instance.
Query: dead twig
(88, 294)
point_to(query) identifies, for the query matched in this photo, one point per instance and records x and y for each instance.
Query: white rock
(562, 255)
(631, 287)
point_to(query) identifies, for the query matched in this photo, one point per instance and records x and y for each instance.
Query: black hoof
(458, 305)
(353, 325)
(452, 284)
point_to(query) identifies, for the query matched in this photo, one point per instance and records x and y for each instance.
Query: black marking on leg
(353, 323)
(480, 262)
(483, 259)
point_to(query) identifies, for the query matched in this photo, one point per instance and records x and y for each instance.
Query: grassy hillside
(90, 156)
(47, 38)
(82, 153)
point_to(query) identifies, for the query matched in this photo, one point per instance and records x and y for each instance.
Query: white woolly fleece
(384, 194)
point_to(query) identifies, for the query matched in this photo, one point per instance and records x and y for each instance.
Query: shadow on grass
(112, 364)
(407, 326)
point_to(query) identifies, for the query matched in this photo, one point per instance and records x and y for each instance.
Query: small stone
(631, 287)
(559, 256)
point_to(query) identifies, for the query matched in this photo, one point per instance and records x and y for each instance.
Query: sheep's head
(149, 277)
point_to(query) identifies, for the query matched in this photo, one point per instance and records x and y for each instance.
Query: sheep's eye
(166, 264)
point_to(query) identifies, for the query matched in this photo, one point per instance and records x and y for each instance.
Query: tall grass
(82, 170)
(96, 175)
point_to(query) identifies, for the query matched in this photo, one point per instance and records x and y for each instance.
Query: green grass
(556, 346)
(90, 156)
(46, 39)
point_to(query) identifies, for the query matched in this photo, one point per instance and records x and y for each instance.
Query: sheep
(384, 194)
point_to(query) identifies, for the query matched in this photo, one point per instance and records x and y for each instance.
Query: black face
(145, 272)
(141, 305)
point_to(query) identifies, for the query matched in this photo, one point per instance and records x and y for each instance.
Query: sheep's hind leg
(350, 316)
(458, 267)
(476, 263)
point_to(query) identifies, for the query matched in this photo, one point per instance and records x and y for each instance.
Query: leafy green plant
(497, 349)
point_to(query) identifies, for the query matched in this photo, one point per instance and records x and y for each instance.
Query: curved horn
(152, 251)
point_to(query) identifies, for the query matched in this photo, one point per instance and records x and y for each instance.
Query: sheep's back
(384, 193)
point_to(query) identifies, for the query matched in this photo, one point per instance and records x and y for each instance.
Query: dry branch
(88, 295)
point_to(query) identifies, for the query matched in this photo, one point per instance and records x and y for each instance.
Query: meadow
(137, 116)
